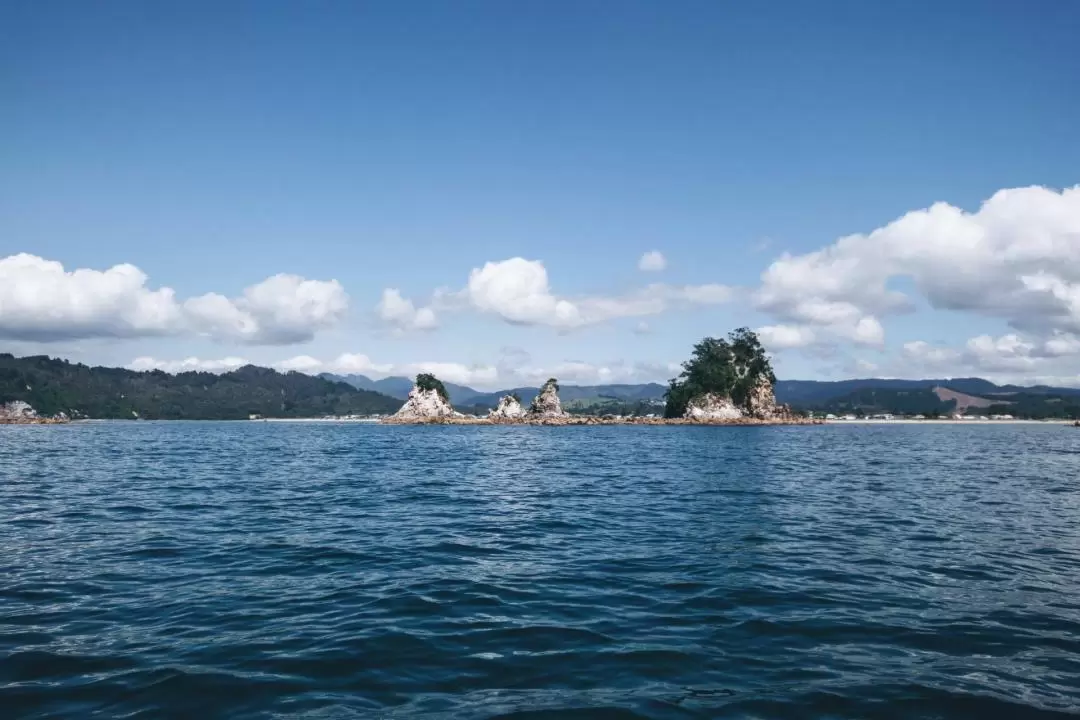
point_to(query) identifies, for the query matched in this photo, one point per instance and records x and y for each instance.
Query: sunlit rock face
(424, 404)
(712, 406)
(546, 404)
(17, 410)
(508, 409)
(761, 402)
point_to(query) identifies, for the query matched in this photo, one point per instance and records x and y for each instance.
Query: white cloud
(1062, 345)
(358, 364)
(518, 291)
(1017, 258)
(40, 301)
(191, 364)
(784, 337)
(652, 261)
(300, 363)
(402, 314)
(289, 309)
(584, 373)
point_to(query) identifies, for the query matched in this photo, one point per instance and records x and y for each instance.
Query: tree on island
(729, 367)
(427, 381)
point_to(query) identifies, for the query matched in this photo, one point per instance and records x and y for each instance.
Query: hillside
(809, 393)
(52, 386)
(939, 401)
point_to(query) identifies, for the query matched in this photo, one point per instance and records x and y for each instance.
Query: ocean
(324, 570)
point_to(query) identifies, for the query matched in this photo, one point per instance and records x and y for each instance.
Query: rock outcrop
(18, 412)
(760, 405)
(761, 402)
(712, 406)
(424, 405)
(509, 408)
(546, 404)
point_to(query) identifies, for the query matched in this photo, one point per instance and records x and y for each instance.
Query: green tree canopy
(427, 381)
(727, 366)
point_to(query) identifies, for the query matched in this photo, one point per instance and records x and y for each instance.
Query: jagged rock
(761, 402)
(546, 403)
(712, 406)
(17, 411)
(508, 408)
(425, 404)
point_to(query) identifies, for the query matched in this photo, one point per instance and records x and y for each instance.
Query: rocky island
(726, 382)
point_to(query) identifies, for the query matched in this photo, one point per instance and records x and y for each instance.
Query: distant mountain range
(802, 394)
(54, 385)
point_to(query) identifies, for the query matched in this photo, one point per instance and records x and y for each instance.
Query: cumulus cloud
(402, 314)
(281, 310)
(653, 261)
(784, 337)
(1017, 258)
(41, 301)
(518, 291)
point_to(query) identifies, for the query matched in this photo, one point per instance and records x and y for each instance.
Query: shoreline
(573, 420)
(579, 420)
(948, 421)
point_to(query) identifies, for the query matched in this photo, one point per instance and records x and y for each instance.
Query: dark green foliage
(553, 383)
(728, 367)
(53, 386)
(427, 381)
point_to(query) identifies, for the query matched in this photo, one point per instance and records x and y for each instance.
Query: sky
(501, 192)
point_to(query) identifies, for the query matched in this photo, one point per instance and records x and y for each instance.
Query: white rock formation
(761, 402)
(712, 406)
(546, 403)
(424, 404)
(508, 408)
(17, 410)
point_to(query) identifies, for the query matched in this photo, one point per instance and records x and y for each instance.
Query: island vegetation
(427, 381)
(728, 367)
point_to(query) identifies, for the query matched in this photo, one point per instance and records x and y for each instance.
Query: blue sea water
(266, 570)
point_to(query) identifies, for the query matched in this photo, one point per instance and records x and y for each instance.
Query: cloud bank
(519, 292)
(41, 301)
(1017, 258)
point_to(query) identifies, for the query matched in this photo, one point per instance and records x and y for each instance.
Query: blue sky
(406, 145)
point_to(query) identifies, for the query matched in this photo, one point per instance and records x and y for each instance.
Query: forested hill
(52, 386)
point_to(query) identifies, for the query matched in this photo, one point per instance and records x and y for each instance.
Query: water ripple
(251, 570)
